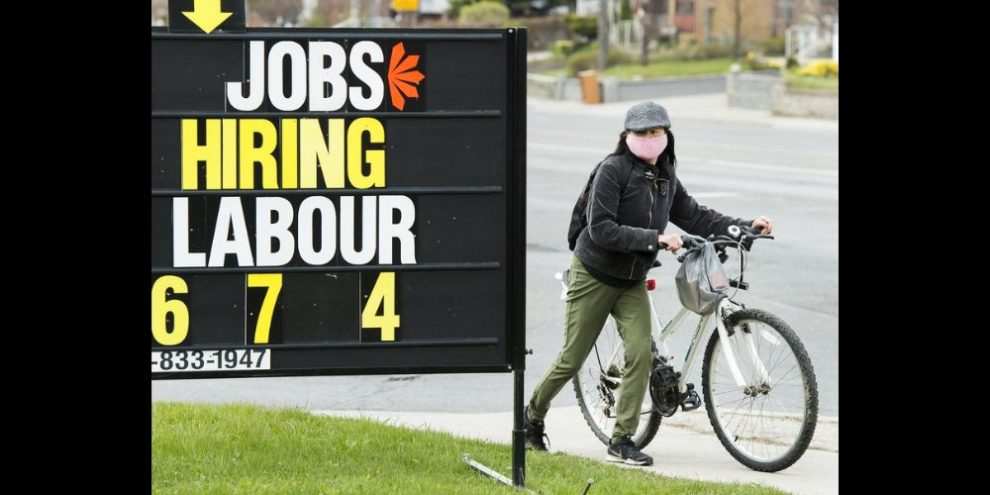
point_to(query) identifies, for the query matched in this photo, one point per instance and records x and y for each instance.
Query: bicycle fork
(746, 343)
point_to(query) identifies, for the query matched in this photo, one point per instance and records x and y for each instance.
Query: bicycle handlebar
(693, 241)
(735, 231)
(740, 236)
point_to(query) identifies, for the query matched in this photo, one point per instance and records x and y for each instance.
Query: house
(713, 21)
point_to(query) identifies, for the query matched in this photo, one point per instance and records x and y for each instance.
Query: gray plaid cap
(646, 115)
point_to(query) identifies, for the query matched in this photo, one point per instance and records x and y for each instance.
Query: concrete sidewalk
(711, 107)
(685, 446)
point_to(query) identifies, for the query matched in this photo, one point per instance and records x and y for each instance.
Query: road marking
(587, 137)
(764, 166)
(702, 161)
(569, 148)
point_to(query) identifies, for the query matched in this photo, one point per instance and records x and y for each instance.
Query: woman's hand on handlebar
(763, 225)
(670, 242)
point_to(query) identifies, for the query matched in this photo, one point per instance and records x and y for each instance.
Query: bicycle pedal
(690, 399)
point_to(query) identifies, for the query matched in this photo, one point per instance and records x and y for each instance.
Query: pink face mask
(646, 148)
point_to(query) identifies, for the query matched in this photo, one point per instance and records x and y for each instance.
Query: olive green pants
(589, 303)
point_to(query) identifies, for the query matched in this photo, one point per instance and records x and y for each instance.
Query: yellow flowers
(820, 68)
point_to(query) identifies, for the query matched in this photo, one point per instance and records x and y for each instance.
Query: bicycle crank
(664, 391)
(666, 394)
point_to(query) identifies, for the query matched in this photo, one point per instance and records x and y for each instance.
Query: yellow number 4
(382, 295)
(274, 283)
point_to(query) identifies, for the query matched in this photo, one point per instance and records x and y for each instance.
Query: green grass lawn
(671, 68)
(811, 83)
(249, 449)
(655, 69)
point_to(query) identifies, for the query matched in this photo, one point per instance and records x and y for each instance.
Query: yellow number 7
(274, 283)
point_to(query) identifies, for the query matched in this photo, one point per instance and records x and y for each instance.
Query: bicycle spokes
(760, 390)
(598, 386)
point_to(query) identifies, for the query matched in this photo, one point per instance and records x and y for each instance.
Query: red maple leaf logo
(401, 76)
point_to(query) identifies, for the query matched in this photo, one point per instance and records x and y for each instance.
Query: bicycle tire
(593, 401)
(794, 406)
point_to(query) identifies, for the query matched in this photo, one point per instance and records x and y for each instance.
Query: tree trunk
(602, 34)
(644, 54)
(737, 35)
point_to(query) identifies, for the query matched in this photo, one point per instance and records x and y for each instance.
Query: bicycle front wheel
(598, 384)
(767, 422)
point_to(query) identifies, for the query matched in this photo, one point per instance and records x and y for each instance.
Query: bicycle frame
(725, 308)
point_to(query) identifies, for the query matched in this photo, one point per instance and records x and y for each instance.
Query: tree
(602, 34)
(327, 13)
(650, 12)
(488, 13)
(736, 29)
(825, 12)
(277, 12)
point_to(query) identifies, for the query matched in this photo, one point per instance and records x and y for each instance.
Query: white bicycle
(758, 383)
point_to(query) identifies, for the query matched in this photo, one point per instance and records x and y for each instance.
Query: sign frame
(513, 232)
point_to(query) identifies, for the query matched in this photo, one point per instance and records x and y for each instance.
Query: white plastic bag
(701, 280)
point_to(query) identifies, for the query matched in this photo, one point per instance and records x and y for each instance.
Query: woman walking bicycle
(634, 194)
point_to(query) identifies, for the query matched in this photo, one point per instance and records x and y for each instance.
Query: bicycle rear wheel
(597, 385)
(767, 423)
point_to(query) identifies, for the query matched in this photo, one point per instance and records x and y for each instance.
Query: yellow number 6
(161, 307)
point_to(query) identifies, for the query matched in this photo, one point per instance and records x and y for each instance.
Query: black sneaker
(534, 433)
(622, 449)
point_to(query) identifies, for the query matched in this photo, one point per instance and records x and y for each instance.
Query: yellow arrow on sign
(206, 14)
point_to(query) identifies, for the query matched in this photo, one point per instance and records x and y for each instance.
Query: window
(685, 7)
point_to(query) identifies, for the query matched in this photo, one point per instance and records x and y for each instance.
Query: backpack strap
(629, 168)
(579, 217)
(625, 163)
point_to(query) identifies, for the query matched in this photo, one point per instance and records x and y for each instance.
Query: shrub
(773, 46)
(586, 60)
(486, 13)
(759, 63)
(695, 51)
(585, 26)
(625, 10)
(563, 48)
(542, 31)
(457, 5)
(706, 51)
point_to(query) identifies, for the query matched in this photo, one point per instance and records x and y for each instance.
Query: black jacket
(624, 220)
